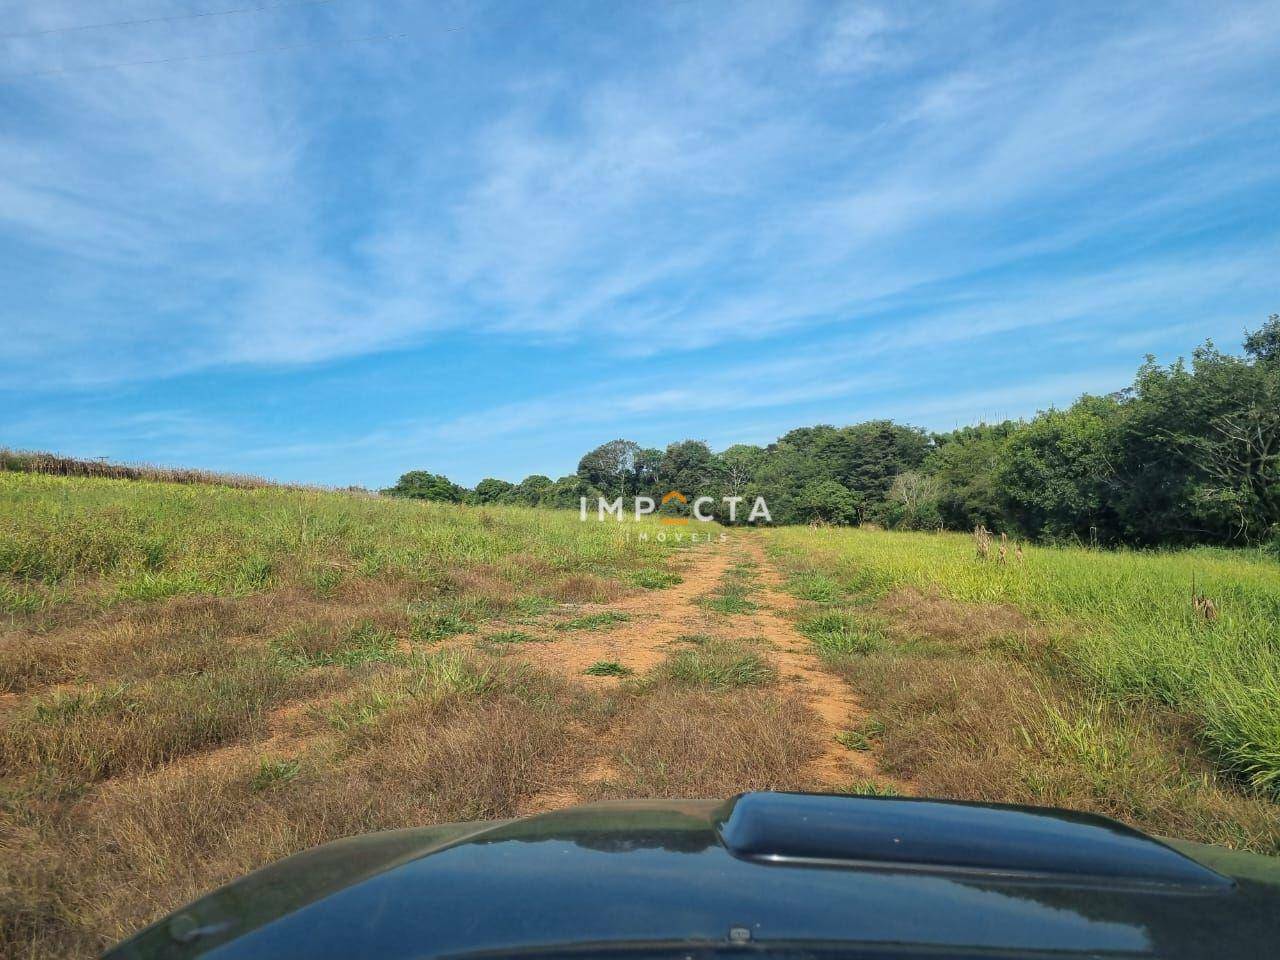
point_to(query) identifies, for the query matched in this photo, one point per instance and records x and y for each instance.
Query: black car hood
(784, 873)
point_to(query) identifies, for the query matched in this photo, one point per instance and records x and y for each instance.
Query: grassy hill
(197, 679)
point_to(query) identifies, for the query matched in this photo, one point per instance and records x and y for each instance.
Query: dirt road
(659, 621)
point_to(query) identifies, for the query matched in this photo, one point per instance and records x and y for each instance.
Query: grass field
(1073, 676)
(196, 680)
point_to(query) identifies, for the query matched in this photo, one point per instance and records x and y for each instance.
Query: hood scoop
(905, 833)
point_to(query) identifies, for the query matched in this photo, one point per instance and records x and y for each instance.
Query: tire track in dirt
(832, 702)
(657, 619)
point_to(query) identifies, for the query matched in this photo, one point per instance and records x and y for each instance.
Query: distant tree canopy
(1189, 453)
(421, 485)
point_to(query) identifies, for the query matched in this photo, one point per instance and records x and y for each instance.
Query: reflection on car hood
(785, 873)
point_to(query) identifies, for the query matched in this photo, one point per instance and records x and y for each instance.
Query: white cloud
(744, 172)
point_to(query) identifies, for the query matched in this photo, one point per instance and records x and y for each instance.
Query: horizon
(332, 242)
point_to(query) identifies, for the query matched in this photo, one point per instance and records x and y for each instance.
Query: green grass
(307, 646)
(655, 579)
(836, 632)
(608, 668)
(595, 621)
(1121, 622)
(101, 541)
(717, 665)
(869, 788)
(861, 737)
(272, 773)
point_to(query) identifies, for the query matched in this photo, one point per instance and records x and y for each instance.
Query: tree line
(1189, 453)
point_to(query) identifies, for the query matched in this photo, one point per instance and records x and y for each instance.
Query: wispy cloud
(834, 186)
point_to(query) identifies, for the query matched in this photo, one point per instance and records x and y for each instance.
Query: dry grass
(64, 740)
(992, 729)
(29, 461)
(913, 613)
(585, 588)
(688, 743)
(112, 865)
(195, 681)
(461, 738)
(987, 700)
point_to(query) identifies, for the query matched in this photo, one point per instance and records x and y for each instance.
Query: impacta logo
(667, 498)
(643, 506)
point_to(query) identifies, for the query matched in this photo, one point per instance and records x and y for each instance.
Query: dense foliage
(1188, 453)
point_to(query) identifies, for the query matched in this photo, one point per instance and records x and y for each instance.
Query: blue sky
(333, 241)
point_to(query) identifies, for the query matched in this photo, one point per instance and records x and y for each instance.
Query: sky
(332, 241)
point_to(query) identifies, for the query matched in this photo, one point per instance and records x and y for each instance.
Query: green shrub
(608, 668)
(838, 632)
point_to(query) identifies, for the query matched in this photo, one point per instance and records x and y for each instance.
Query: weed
(870, 788)
(836, 632)
(595, 621)
(324, 580)
(272, 773)
(608, 668)
(511, 636)
(361, 710)
(534, 605)
(697, 639)
(655, 579)
(429, 625)
(717, 665)
(811, 585)
(319, 645)
(861, 736)
(727, 602)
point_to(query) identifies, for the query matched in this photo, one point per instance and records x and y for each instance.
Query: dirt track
(657, 619)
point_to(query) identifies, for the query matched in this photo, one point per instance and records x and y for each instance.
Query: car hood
(782, 873)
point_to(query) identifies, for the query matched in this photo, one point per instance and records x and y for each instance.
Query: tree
(421, 485)
(1263, 344)
(871, 454)
(690, 467)
(1199, 446)
(739, 466)
(490, 490)
(611, 467)
(1189, 453)
(966, 463)
(912, 502)
(1056, 473)
(530, 490)
(644, 472)
(567, 492)
(827, 501)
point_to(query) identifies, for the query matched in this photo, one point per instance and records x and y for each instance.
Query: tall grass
(31, 461)
(1122, 621)
(198, 678)
(105, 541)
